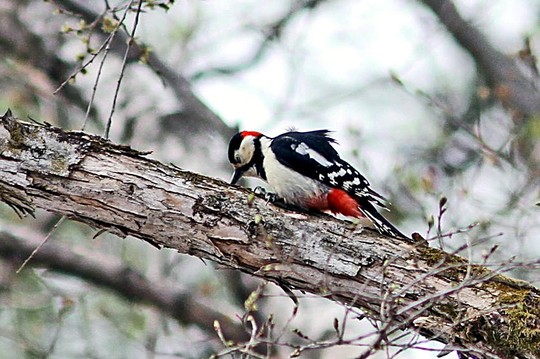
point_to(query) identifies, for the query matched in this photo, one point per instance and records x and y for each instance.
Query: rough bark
(116, 188)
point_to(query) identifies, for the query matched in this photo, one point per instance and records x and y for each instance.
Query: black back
(329, 168)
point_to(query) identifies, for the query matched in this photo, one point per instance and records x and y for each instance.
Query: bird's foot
(268, 196)
(273, 198)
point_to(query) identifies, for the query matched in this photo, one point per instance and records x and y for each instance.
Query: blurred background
(426, 102)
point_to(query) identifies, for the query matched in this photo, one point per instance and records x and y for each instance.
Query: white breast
(293, 187)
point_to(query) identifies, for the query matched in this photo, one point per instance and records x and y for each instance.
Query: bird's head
(244, 152)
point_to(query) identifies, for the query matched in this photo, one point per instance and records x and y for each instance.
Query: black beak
(237, 175)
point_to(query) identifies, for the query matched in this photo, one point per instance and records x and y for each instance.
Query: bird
(305, 171)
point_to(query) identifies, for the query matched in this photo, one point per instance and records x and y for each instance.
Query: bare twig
(38, 247)
(179, 84)
(130, 41)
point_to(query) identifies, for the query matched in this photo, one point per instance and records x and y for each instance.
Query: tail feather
(381, 223)
(373, 197)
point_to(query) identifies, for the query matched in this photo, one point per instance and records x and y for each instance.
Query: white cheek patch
(304, 149)
(246, 151)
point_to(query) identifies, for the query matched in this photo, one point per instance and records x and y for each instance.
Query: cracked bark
(116, 188)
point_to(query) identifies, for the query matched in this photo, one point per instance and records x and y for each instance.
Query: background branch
(192, 107)
(39, 65)
(508, 83)
(125, 281)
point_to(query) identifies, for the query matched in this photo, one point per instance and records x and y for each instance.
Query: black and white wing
(312, 155)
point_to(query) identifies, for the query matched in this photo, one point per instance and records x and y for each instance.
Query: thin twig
(124, 63)
(41, 244)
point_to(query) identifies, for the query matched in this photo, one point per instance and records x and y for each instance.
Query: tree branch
(509, 84)
(116, 188)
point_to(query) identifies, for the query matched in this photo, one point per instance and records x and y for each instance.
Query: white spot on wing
(304, 149)
(339, 173)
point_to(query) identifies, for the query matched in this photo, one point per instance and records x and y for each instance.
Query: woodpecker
(304, 170)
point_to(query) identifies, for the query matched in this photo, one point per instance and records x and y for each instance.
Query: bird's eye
(237, 158)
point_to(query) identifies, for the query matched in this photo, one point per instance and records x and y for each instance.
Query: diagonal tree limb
(409, 286)
(508, 82)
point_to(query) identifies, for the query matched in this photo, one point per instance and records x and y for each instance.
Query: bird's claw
(276, 200)
(259, 191)
(268, 196)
